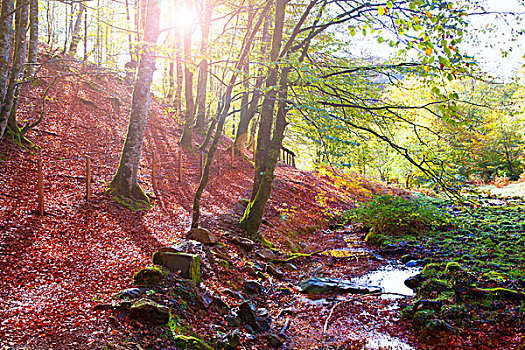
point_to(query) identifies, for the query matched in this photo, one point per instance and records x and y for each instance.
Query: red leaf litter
(55, 268)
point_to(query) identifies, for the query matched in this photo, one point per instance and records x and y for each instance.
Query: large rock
(149, 311)
(414, 282)
(334, 286)
(202, 235)
(189, 265)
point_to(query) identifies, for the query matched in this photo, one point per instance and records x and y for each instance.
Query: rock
(266, 254)
(130, 293)
(233, 320)
(202, 235)
(252, 287)
(244, 243)
(247, 315)
(102, 307)
(187, 264)
(147, 277)
(414, 282)
(184, 246)
(220, 306)
(190, 343)
(407, 257)
(413, 263)
(274, 270)
(274, 340)
(332, 285)
(150, 311)
(263, 320)
(232, 340)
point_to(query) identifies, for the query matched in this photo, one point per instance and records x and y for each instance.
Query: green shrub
(396, 215)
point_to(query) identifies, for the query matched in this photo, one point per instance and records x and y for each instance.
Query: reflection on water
(390, 279)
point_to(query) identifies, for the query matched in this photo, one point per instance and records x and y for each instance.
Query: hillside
(54, 269)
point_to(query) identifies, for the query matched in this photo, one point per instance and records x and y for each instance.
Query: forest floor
(55, 268)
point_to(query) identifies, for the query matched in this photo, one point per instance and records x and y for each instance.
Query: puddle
(390, 279)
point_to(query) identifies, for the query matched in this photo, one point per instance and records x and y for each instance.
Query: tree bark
(251, 108)
(32, 55)
(125, 182)
(222, 117)
(189, 112)
(6, 38)
(77, 32)
(202, 80)
(19, 58)
(254, 212)
(268, 105)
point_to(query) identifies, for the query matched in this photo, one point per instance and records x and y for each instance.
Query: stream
(353, 313)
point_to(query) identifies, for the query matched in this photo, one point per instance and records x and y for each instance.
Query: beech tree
(125, 182)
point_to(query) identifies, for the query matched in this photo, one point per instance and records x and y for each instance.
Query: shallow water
(390, 279)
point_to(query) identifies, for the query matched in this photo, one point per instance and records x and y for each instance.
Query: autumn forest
(211, 174)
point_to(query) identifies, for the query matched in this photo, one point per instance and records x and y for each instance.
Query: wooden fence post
(154, 173)
(40, 186)
(88, 178)
(219, 162)
(233, 155)
(180, 165)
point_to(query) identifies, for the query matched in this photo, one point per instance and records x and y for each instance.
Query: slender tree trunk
(180, 75)
(6, 38)
(189, 113)
(268, 105)
(32, 56)
(19, 59)
(222, 118)
(202, 80)
(251, 108)
(77, 30)
(125, 182)
(254, 212)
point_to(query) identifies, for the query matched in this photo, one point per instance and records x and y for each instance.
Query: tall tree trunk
(202, 80)
(77, 32)
(179, 72)
(125, 182)
(189, 112)
(6, 38)
(254, 212)
(17, 69)
(222, 117)
(32, 55)
(268, 105)
(251, 108)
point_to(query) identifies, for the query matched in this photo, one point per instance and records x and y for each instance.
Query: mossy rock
(422, 318)
(453, 267)
(191, 343)
(147, 277)
(150, 311)
(433, 287)
(454, 312)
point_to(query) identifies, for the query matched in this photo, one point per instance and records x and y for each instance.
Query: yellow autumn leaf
(426, 68)
(429, 15)
(428, 51)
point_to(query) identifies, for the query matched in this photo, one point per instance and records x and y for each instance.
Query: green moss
(191, 343)
(133, 205)
(195, 271)
(453, 267)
